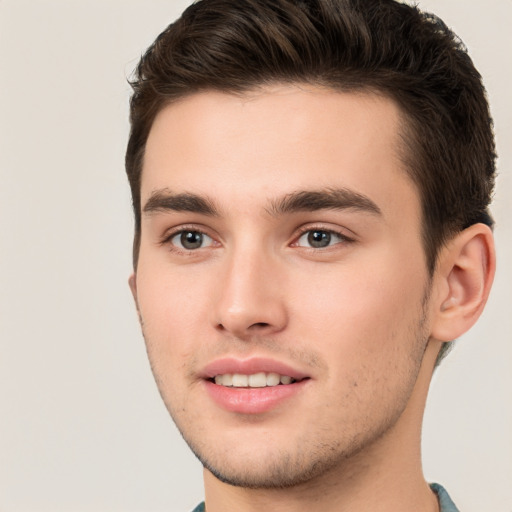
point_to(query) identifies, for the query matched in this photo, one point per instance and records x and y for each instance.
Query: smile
(255, 380)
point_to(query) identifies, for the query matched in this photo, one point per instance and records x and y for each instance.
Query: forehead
(265, 143)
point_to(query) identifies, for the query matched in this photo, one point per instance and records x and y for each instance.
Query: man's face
(281, 241)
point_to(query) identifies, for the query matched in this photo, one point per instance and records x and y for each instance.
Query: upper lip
(250, 366)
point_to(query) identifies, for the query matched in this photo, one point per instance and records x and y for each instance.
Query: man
(311, 182)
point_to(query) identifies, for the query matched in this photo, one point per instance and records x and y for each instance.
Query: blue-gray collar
(445, 502)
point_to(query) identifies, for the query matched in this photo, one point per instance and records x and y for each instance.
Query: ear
(463, 280)
(132, 283)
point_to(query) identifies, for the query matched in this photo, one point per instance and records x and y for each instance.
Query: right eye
(190, 240)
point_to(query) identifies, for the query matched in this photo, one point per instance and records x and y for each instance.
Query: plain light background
(82, 427)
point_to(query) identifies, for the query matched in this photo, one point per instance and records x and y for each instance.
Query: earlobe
(464, 277)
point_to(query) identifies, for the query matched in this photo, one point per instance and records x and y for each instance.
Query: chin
(267, 465)
(279, 473)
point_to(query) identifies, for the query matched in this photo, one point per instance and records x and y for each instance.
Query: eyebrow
(325, 199)
(164, 200)
(299, 201)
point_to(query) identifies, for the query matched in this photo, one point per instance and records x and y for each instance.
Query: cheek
(168, 298)
(173, 310)
(369, 331)
(370, 309)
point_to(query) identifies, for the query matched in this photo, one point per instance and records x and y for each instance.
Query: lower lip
(252, 400)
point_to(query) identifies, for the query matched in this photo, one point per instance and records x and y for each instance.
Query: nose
(251, 297)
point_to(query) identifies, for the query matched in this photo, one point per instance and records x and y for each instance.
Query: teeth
(224, 380)
(256, 380)
(273, 379)
(240, 381)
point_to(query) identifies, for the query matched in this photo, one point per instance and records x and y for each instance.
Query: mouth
(253, 386)
(254, 380)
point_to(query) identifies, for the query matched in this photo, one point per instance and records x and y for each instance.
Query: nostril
(259, 325)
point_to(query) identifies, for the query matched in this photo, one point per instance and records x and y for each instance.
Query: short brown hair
(375, 45)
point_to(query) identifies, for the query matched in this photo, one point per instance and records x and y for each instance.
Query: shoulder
(199, 508)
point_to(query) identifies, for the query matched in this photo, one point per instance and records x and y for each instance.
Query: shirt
(445, 502)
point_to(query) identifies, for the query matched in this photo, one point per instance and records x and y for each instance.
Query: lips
(252, 386)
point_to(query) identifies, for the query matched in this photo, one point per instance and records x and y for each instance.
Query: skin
(361, 317)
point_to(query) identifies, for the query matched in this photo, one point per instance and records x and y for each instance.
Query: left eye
(318, 239)
(190, 240)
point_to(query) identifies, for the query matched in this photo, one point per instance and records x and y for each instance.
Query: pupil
(191, 239)
(319, 238)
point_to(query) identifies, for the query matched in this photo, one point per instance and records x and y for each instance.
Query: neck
(384, 476)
